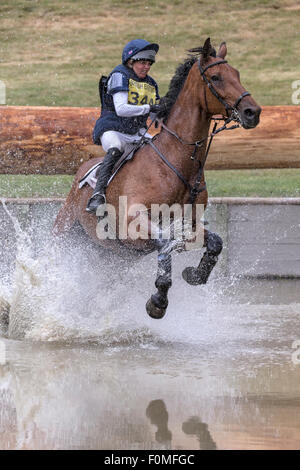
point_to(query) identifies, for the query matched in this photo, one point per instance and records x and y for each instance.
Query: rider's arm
(127, 110)
(118, 87)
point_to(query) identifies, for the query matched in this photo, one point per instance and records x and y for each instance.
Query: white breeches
(116, 139)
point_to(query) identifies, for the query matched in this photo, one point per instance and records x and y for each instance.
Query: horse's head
(223, 92)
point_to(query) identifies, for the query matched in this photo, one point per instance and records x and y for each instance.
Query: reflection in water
(193, 426)
(158, 415)
(60, 397)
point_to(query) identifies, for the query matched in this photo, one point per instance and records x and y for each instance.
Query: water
(83, 367)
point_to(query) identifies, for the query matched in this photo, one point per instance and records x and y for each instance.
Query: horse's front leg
(157, 304)
(200, 274)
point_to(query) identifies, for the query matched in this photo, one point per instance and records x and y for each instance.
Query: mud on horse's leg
(200, 275)
(157, 304)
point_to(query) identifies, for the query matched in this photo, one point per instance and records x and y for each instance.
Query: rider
(127, 98)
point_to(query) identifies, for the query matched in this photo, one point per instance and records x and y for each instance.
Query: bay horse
(163, 171)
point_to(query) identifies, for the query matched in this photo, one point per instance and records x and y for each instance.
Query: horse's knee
(214, 244)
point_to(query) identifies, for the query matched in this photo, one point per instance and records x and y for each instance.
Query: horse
(163, 171)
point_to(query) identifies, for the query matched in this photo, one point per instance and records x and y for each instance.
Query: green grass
(52, 52)
(35, 185)
(254, 183)
(247, 183)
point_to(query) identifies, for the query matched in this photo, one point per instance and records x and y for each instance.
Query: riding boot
(108, 163)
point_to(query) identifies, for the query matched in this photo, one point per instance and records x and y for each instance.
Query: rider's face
(141, 67)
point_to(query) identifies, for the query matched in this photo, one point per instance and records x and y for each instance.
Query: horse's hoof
(154, 311)
(193, 277)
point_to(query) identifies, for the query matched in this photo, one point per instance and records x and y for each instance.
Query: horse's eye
(215, 78)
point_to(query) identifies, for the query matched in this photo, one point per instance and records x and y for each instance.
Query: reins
(232, 117)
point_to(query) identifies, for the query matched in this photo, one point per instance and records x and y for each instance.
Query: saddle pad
(90, 176)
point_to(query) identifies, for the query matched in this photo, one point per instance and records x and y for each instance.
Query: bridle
(232, 116)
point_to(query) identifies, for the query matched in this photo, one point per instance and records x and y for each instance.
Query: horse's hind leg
(157, 304)
(200, 275)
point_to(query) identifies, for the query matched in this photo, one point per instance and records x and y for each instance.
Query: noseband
(234, 114)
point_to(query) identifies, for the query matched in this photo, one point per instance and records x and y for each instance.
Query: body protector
(140, 92)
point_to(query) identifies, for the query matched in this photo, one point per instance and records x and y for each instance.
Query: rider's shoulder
(121, 69)
(118, 79)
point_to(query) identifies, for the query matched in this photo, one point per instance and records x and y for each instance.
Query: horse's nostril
(249, 113)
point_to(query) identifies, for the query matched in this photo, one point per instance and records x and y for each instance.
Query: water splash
(70, 293)
(76, 292)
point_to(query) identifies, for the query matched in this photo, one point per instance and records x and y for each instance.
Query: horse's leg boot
(108, 163)
(200, 275)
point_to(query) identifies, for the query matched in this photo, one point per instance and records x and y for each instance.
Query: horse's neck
(191, 123)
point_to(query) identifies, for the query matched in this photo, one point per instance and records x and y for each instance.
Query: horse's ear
(222, 50)
(206, 51)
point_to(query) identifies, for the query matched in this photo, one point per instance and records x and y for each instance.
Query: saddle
(91, 176)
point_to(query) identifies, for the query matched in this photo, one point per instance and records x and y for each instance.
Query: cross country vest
(140, 91)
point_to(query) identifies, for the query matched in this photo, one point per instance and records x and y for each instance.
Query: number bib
(141, 93)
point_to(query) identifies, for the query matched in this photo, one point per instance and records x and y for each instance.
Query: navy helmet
(139, 49)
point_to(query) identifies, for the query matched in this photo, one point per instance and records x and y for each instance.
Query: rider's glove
(155, 108)
(160, 110)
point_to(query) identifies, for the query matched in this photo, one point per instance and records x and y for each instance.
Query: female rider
(127, 98)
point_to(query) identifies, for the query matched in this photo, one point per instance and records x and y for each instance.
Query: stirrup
(95, 201)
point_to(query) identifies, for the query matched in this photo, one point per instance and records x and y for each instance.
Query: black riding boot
(108, 163)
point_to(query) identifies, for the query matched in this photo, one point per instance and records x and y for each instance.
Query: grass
(52, 52)
(254, 183)
(35, 185)
(248, 183)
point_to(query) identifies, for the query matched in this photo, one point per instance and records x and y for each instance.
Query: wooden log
(46, 140)
(274, 143)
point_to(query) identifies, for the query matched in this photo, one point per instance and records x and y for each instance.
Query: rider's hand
(155, 108)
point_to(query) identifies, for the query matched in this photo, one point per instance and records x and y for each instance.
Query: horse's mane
(178, 80)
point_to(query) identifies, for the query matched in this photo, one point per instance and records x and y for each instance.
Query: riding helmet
(139, 49)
